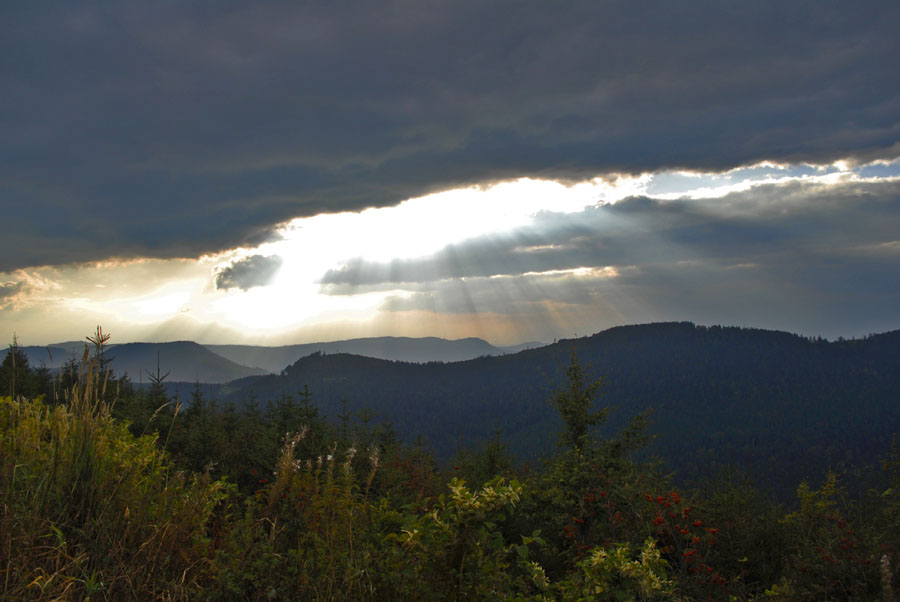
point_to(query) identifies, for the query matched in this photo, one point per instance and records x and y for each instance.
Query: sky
(282, 172)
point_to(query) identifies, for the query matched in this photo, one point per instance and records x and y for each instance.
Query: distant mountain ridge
(182, 360)
(720, 395)
(405, 349)
(187, 361)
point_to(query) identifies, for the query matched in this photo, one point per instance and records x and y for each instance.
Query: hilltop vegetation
(781, 406)
(114, 493)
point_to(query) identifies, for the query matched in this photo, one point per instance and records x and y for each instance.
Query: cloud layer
(246, 273)
(184, 128)
(801, 256)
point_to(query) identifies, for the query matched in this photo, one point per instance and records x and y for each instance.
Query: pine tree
(16, 379)
(574, 404)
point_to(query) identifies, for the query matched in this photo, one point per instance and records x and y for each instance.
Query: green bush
(90, 510)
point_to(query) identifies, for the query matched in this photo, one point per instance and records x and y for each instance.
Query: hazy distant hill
(190, 362)
(50, 356)
(185, 360)
(428, 349)
(773, 400)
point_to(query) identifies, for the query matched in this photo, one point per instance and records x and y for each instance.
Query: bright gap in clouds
(311, 246)
(420, 227)
(424, 226)
(152, 299)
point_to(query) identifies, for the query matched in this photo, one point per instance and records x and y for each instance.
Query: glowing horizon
(434, 247)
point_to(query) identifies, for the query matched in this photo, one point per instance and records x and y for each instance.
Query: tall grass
(307, 534)
(89, 511)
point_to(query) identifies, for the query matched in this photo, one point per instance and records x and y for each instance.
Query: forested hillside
(779, 404)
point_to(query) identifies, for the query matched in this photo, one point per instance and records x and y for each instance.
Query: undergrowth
(89, 510)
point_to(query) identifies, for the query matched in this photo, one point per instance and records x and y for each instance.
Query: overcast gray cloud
(255, 270)
(799, 256)
(8, 290)
(173, 129)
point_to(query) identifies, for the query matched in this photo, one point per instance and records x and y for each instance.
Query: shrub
(89, 509)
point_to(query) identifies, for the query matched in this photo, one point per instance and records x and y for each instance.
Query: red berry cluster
(685, 542)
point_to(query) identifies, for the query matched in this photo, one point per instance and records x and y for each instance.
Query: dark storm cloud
(256, 270)
(801, 256)
(173, 129)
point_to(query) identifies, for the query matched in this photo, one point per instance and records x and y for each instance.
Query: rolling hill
(184, 360)
(773, 401)
(189, 361)
(427, 349)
